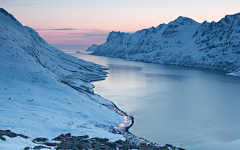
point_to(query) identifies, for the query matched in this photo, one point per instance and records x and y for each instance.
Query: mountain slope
(45, 92)
(181, 42)
(93, 47)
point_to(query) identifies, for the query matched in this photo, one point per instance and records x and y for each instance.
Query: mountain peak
(228, 19)
(181, 18)
(183, 21)
(3, 11)
(114, 34)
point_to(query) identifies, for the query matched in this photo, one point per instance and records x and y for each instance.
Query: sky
(80, 23)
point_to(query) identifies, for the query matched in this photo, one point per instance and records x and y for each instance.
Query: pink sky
(87, 22)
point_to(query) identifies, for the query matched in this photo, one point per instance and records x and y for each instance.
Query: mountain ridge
(8, 14)
(183, 42)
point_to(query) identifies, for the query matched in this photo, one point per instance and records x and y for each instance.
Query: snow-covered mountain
(93, 47)
(45, 92)
(181, 42)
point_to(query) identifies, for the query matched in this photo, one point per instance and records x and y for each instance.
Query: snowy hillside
(181, 42)
(93, 47)
(45, 92)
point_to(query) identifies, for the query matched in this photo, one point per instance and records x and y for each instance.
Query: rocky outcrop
(10, 134)
(67, 141)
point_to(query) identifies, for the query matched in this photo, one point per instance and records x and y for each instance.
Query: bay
(192, 108)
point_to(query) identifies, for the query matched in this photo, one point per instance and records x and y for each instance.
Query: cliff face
(45, 92)
(181, 42)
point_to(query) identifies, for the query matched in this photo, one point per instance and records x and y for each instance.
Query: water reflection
(187, 107)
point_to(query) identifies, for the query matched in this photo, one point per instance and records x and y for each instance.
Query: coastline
(227, 73)
(124, 130)
(120, 77)
(129, 123)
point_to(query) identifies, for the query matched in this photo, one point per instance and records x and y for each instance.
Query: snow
(45, 92)
(93, 47)
(183, 41)
(16, 143)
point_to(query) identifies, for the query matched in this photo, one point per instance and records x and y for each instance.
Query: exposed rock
(126, 145)
(50, 144)
(96, 143)
(10, 134)
(2, 138)
(41, 147)
(64, 145)
(27, 148)
(36, 140)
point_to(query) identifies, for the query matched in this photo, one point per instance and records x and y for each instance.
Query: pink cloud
(73, 36)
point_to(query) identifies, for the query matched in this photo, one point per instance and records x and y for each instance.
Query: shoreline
(125, 130)
(225, 72)
(130, 139)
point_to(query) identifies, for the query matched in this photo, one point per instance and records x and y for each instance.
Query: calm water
(187, 107)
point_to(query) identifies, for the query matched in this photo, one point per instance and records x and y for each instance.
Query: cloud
(99, 38)
(64, 29)
(74, 36)
(59, 29)
(71, 46)
(90, 35)
(95, 35)
(90, 30)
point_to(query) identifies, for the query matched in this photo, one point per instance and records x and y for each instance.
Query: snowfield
(184, 42)
(45, 92)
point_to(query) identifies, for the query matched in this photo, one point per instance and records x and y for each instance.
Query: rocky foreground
(67, 141)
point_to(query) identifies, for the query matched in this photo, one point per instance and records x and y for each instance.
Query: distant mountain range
(183, 42)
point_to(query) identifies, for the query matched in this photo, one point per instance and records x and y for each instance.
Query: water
(188, 107)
